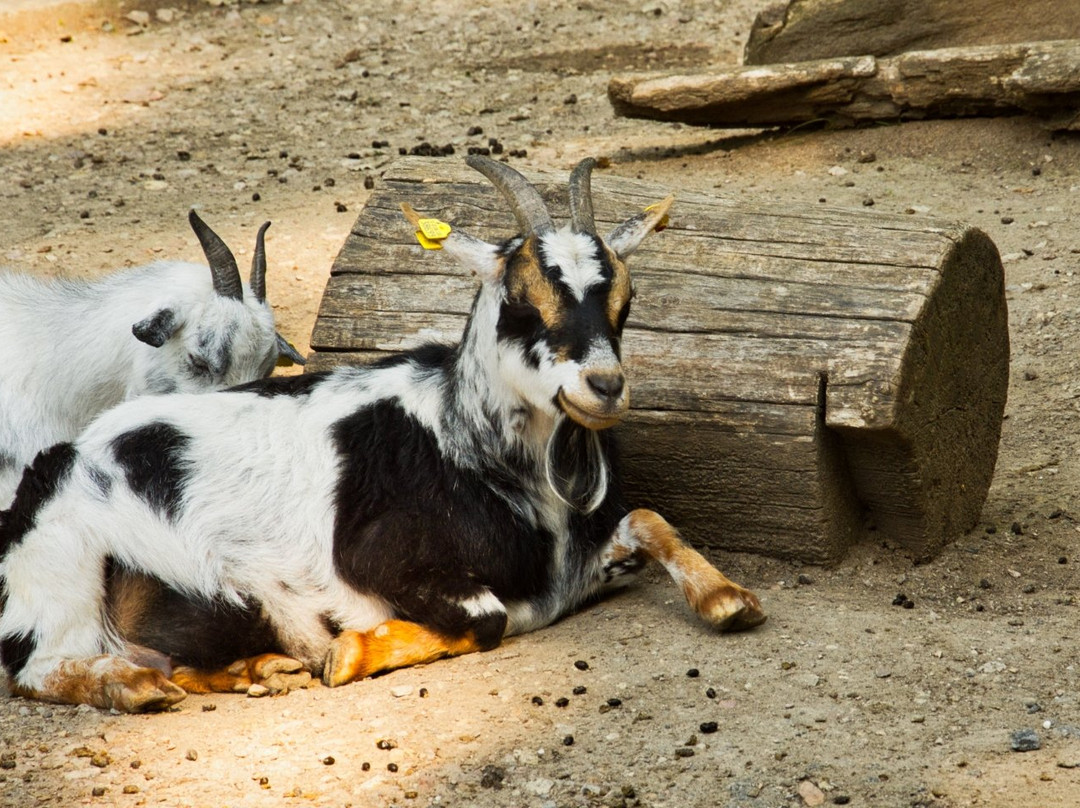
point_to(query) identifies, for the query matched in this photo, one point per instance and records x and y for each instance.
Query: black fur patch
(15, 651)
(192, 631)
(39, 484)
(300, 385)
(6, 461)
(153, 461)
(426, 535)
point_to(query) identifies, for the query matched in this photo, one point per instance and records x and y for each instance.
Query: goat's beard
(575, 466)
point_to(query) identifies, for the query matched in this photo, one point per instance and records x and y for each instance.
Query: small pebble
(708, 727)
(369, 182)
(684, 752)
(191, 754)
(581, 665)
(328, 760)
(580, 690)
(562, 702)
(386, 743)
(804, 579)
(98, 791)
(568, 740)
(1017, 529)
(131, 789)
(614, 702)
(693, 673)
(868, 202)
(1007, 220)
(401, 691)
(710, 693)
(538, 701)
(365, 766)
(841, 799)
(255, 197)
(391, 767)
(340, 207)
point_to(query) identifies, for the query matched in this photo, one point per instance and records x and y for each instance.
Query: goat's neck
(492, 423)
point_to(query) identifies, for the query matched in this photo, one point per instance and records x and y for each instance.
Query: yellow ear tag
(431, 233)
(663, 223)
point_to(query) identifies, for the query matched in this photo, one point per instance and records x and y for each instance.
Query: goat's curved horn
(223, 267)
(581, 212)
(257, 281)
(525, 201)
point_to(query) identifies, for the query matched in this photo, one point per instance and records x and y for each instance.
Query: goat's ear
(156, 329)
(475, 255)
(625, 238)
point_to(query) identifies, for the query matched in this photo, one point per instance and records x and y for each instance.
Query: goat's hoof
(278, 674)
(143, 690)
(344, 659)
(732, 608)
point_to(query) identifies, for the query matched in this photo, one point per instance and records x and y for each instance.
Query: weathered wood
(795, 375)
(1041, 78)
(807, 30)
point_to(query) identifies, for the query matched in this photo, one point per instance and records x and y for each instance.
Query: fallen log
(807, 30)
(1041, 78)
(796, 376)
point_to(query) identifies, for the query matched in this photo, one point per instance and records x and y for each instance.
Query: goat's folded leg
(108, 682)
(276, 672)
(716, 599)
(400, 643)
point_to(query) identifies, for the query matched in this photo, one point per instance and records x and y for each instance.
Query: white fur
(575, 255)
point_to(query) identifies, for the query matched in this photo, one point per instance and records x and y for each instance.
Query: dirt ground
(111, 129)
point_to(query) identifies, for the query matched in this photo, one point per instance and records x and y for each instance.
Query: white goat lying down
(72, 349)
(359, 520)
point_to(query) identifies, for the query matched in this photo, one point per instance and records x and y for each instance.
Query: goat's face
(218, 333)
(558, 298)
(565, 297)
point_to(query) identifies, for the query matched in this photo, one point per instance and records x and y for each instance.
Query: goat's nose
(606, 385)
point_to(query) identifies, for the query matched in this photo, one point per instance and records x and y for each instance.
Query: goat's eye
(198, 365)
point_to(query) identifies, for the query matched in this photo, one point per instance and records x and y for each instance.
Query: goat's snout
(606, 384)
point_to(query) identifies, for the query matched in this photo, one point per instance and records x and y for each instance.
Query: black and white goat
(356, 521)
(72, 349)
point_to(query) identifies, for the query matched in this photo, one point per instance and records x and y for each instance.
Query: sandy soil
(110, 130)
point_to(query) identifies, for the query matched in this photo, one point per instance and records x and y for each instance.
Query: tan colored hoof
(144, 690)
(732, 608)
(344, 659)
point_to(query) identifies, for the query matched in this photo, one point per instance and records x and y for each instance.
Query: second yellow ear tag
(431, 233)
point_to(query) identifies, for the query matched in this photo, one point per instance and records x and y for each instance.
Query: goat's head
(208, 340)
(558, 297)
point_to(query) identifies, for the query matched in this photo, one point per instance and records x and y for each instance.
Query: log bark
(796, 376)
(808, 30)
(1041, 78)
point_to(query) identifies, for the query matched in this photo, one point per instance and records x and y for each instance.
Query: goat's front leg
(717, 600)
(276, 672)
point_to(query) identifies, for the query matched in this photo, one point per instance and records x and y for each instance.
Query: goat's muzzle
(599, 402)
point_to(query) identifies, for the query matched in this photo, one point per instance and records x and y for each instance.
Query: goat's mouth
(595, 413)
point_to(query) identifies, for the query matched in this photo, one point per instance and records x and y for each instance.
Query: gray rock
(1024, 740)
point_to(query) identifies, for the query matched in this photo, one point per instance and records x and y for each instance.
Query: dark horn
(581, 212)
(223, 267)
(525, 201)
(257, 282)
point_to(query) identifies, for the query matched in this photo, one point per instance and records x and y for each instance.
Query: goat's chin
(589, 415)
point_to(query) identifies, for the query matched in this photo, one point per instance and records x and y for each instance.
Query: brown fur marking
(107, 682)
(390, 645)
(277, 672)
(716, 599)
(527, 282)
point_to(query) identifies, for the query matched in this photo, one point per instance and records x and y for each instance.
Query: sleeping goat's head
(553, 304)
(208, 338)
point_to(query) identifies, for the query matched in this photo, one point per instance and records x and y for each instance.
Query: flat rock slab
(797, 376)
(1041, 78)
